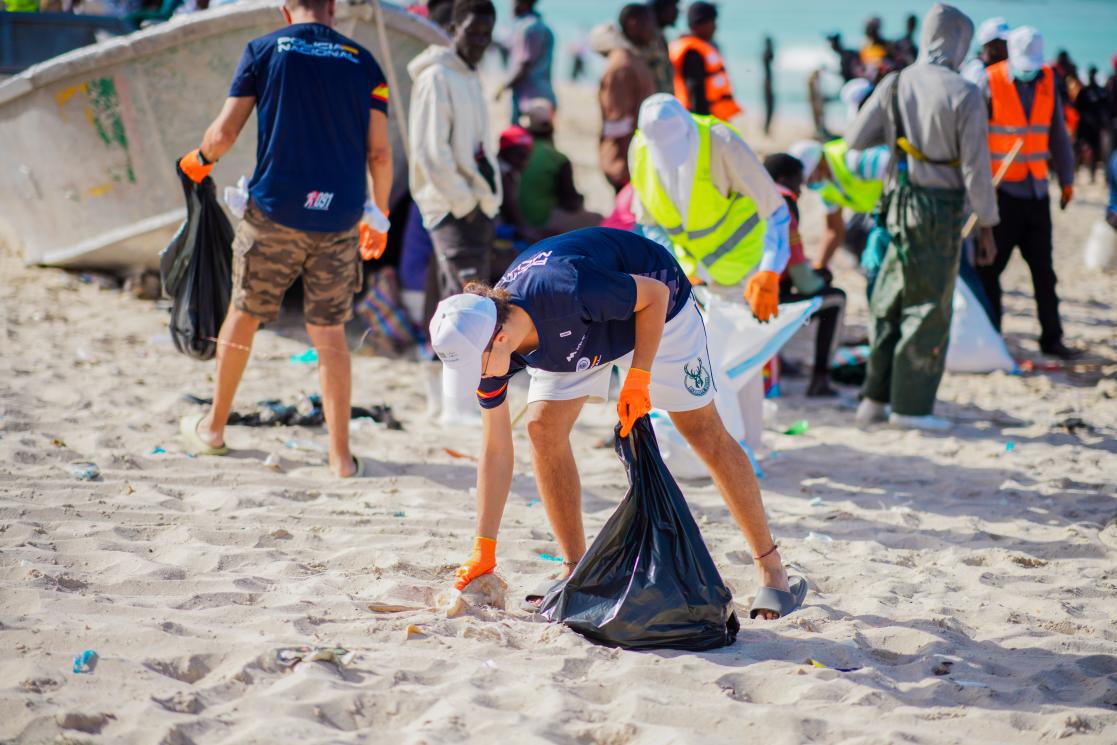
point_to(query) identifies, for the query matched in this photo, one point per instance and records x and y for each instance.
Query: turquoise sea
(1085, 28)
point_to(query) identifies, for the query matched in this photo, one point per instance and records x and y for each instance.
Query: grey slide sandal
(769, 598)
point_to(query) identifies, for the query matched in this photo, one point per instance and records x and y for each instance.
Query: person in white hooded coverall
(701, 190)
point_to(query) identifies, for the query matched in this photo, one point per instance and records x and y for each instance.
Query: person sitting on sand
(308, 195)
(801, 280)
(570, 309)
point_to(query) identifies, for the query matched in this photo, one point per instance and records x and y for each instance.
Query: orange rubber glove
(1066, 196)
(373, 243)
(763, 295)
(480, 562)
(195, 165)
(634, 401)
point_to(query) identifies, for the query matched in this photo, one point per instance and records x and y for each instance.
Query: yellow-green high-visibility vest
(858, 194)
(723, 234)
(22, 6)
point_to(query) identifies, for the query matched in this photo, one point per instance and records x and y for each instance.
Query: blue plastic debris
(85, 662)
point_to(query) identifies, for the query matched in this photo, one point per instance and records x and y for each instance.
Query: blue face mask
(1025, 76)
(816, 185)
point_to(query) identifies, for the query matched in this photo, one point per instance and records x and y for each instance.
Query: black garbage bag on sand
(196, 268)
(648, 580)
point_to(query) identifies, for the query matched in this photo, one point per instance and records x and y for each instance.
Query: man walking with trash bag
(698, 183)
(936, 124)
(321, 102)
(572, 307)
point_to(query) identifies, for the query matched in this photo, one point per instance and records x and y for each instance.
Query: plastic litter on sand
(549, 557)
(821, 537)
(798, 427)
(85, 662)
(309, 357)
(816, 663)
(307, 445)
(817, 502)
(291, 656)
(85, 471)
(157, 450)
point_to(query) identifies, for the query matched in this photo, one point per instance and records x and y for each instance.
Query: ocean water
(1085, 28)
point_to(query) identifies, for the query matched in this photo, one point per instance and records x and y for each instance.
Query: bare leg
(336, 378)
(734, 477)
(548, 427)
(233, 349)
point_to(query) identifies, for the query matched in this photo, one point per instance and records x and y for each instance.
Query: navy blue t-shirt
(578, 290)
(314, 89)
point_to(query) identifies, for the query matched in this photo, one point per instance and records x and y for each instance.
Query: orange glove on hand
(1067, 195)
(634, 401)
(480, 562)
(762, 293)
(195, 166)
(373, 243)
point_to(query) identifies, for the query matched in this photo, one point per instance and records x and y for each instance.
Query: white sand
(973, 587)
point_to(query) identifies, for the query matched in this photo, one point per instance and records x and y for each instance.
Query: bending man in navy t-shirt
(567, 311)
(322, 114)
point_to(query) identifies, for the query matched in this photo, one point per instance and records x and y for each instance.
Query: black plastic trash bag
(648, 580)
(196, 268)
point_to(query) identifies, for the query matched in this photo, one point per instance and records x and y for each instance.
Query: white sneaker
(926, 423)
(432, 381)
(870, 412)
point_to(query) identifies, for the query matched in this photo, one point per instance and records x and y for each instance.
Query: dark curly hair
(500, 297)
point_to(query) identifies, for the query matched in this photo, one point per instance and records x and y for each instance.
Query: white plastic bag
(1101, 248)
(739, 346)
(975, 346)
(236, 197)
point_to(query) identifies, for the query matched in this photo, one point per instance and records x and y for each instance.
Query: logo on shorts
(697, 380)
(583, 364)
(318, 200)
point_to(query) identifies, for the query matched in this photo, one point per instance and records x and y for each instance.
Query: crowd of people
(504, 269)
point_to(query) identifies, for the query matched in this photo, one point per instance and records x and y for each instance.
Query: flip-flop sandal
(188, 428)
(360, 472)
(538, 593)
(779, 601)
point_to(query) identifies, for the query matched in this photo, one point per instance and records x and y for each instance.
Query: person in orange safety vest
(1024, 106)
(701, 82)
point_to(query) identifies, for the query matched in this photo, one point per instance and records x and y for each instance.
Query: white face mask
(1025, 76)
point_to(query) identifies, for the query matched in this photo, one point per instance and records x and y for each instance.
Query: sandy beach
(963, 586)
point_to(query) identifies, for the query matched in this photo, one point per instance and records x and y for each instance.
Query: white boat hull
(88, 140)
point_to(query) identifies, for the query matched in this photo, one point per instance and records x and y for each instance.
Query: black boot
(1060, 350)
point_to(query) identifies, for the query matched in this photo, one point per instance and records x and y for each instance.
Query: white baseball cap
(809, 152)
(992, 29)
(1025, 49)
(460, 331)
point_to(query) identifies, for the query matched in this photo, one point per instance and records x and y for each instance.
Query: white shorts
(682, 376)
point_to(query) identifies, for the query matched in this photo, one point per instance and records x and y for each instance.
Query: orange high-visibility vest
(1008, 123)
(718, 91)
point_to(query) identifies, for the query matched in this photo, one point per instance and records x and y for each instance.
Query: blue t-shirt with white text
(314, 89)
(579, 292)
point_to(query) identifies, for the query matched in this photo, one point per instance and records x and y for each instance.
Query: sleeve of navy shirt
(494, 391)
(378, 86)
(244, 79)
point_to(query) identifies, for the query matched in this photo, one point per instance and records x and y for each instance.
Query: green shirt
(539, 183)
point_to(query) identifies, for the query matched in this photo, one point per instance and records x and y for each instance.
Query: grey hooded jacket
(943, 115)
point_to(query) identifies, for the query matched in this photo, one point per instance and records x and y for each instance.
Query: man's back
(314, 91)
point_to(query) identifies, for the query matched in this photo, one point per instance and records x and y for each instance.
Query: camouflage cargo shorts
(267, 257)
